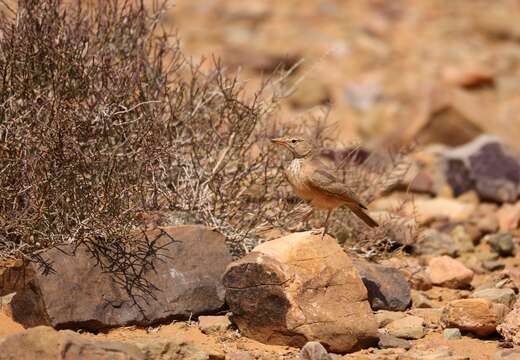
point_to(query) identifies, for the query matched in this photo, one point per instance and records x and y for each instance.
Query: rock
(447, 272)
(419, 300)
(478, 316)
(435, 243)
(385, 317)
(448, 122)
(422, 183)
(509, 354)
(508, 217)
(387, 287)
(409, 327)
(486, 166)
(488, 223)
(510, 327)
(300, 288)
(428, 210)
(463, 240)
(157, 347)
(440, 353)
(8, 326)
(493, 265)
(451, 334)
(501, 243)
(432, 317)
(79, 294)
(213, 324)
(388, 341)
(500, 296)
(313, 350)
(45, 343)
(239, 355)
(14, 276)
(469, 76)
(412, 270)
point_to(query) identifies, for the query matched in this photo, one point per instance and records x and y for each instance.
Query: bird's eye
(293, 141)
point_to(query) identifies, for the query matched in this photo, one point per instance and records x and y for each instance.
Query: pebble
(501, 243)
(409, 327)
(451, 334)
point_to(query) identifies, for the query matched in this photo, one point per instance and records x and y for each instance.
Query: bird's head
(298, 147)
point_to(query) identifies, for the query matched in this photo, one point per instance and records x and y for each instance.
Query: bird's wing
(322, 180)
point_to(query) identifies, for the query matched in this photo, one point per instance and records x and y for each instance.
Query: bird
(314, 182)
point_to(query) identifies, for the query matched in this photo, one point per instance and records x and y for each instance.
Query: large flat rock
(185, 281)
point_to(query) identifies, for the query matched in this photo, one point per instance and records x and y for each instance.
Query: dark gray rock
(484, 165)
(501, 243)
(387, 287)
(185, 280)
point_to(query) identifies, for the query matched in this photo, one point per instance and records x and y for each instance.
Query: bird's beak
(278, 141)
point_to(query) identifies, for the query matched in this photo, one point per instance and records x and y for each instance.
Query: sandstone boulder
(300, 288)
(478, 316)
(78, 293)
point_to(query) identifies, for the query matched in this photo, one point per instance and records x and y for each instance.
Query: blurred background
(388, 71)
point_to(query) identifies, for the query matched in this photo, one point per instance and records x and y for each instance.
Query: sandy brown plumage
(313, 181)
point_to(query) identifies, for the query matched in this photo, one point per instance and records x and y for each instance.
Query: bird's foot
(317, 231)
(320, 232)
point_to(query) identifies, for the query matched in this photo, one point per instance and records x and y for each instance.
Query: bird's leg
(326, 225)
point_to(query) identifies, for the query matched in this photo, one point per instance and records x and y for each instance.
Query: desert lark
(314, 182)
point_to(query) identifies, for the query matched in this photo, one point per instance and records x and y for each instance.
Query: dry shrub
(103, 119)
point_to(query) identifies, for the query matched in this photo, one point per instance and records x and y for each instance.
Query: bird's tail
(356, 209)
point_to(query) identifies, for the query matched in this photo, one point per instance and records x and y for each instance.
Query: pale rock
(297, 289)
(432, 317)
(409, 327)
(428, 210)
(419, 300)
(509, 354)
(213, 324)
(385, 317)
(447, 272)
(451, 334)
(509, 216)
(502, 296)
